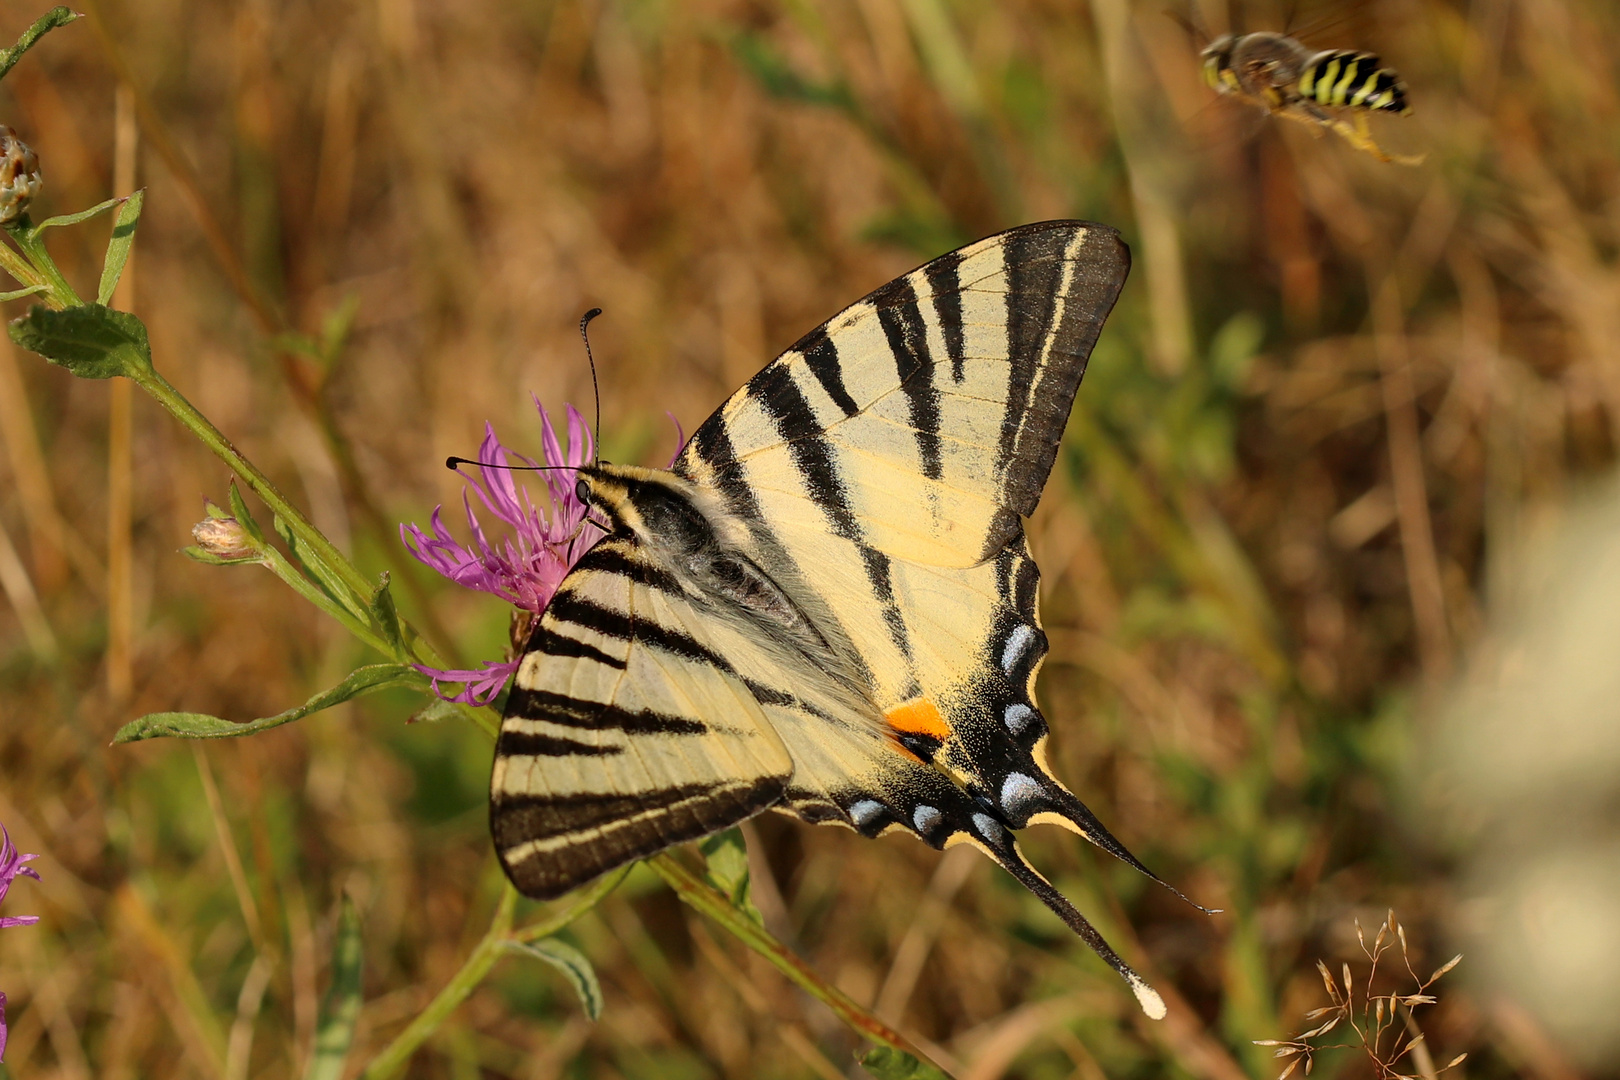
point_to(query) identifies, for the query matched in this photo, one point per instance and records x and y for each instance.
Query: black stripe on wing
(569, 608)
(777, 392)
(1059, 327)
(605, 830)
(903, 327)
(587, 715)
(821, 356)
(531, 744)
(945, 287)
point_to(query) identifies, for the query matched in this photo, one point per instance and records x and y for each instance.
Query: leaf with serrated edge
(184, 725)
(334, 1030)
(123, 238)
(91, 340)
(574, 966)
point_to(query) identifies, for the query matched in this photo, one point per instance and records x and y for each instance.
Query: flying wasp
(1320, 89)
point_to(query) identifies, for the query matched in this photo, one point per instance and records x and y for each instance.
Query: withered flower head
(20, 179)
(223, 537)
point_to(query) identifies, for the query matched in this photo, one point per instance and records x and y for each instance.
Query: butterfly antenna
(584, 322)
(452, 463)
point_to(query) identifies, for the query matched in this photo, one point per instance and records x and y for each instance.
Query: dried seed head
(223, 537)
(1443, 968)
(20, 179)
(1327, 981)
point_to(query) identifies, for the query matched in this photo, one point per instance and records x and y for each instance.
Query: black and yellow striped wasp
(1334, 89)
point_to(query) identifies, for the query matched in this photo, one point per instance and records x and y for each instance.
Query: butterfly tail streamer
(1001, 846)
(1077, 816)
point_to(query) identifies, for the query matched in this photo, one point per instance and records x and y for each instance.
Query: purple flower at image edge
(525, 567)
(11, 868)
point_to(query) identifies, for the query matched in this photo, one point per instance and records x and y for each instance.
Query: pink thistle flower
(525, 567)
(11, 868)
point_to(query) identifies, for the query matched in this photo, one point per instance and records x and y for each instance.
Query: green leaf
(243, 516)
(82, 215)
(340, 1008)
(184, 725)
(318, 570)
(386, 616)
(18, 294)
(203, 555)
(887, 1063)
(91, 340)
(725, 858)
(572, 963)
(123, 238)
(434, 711)
(57, 16)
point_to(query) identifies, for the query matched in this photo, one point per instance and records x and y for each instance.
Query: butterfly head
(656, 507)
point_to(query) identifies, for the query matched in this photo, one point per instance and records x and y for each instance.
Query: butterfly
(827, 605)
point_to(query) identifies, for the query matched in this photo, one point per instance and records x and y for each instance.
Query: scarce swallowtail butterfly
(826, 606)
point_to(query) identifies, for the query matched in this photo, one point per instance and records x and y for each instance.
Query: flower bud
(20, 180)
(223, 538)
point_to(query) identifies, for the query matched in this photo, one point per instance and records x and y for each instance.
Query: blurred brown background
(1335, 395)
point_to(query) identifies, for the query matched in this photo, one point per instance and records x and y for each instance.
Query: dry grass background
(1332, 388)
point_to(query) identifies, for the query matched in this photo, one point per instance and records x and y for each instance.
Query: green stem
(17, 266)
(588, 899)
(27, 238)
(457, 990)
(184, 411)
(464, 982)
(711, 902)
(278, 565)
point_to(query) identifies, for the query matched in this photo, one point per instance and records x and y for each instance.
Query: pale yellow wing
(625, 733)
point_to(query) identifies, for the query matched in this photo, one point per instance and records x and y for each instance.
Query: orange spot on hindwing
(918, 728)
(919, 717)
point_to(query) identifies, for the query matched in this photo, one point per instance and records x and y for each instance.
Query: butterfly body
(827, 606)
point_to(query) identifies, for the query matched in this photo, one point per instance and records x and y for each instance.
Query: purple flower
(525, 567)
(11, 868)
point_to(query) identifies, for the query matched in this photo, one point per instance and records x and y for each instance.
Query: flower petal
(479, 687)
